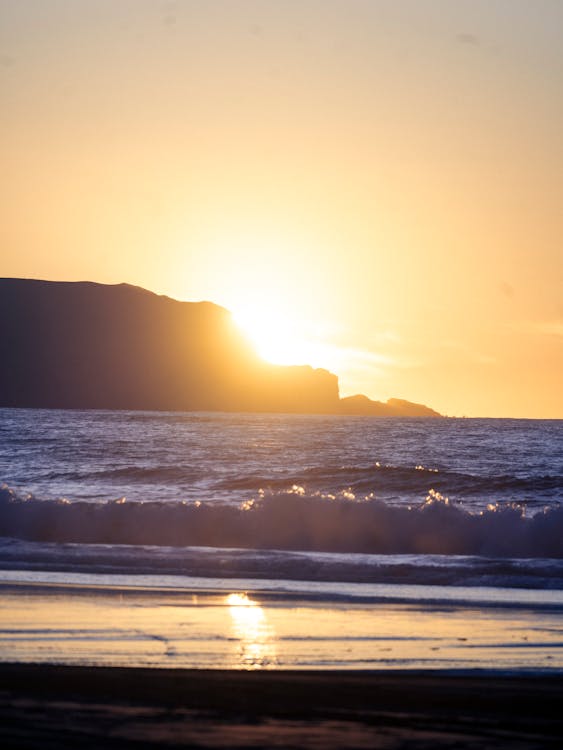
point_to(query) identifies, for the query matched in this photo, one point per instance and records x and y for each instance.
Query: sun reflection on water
(255, 635)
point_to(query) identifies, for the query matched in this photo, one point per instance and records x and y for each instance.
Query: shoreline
(66, 706)
(234, 627)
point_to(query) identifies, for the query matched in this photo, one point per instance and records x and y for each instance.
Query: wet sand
(125, 626)
(50, 706)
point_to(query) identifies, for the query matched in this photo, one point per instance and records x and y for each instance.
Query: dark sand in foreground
(44, 706)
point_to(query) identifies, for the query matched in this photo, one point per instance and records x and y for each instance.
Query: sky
(370, 186)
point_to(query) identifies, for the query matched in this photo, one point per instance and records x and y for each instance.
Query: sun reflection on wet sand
(256, 647)
(206, 629)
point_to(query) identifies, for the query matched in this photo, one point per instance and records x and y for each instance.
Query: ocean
(299, 541)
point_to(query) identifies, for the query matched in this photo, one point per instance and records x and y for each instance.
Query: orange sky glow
(371, 186)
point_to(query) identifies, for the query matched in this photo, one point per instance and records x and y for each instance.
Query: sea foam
(292, 520)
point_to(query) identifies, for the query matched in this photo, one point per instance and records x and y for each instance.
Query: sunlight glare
(280, 340)
(240, 600)
(256, 638)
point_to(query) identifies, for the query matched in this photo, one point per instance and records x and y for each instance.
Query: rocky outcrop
(395, 407)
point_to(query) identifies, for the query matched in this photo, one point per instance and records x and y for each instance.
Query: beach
(51, 706)
(275, 625)
(118, 666)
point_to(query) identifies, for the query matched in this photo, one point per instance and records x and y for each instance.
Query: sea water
(457, 523)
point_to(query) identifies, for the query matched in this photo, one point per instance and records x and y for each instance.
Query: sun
(276, 338)
(281, 338)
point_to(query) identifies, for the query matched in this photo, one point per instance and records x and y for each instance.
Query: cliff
(95, 346)
(85, 345)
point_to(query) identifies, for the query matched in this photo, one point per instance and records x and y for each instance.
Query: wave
(129, 474)
(292, 520)
(164, 563)
(383, 479)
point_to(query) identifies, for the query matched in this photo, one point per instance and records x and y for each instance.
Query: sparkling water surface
(163, 456)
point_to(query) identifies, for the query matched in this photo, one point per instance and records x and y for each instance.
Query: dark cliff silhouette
(394, 407)
(95, 346)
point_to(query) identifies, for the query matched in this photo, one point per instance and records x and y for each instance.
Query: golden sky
(373, 186)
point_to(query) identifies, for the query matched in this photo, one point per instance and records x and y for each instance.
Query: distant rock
(402, 408)
(82, 345)
(395, 407)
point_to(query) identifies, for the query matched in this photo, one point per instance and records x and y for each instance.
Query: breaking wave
(292, 520)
